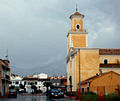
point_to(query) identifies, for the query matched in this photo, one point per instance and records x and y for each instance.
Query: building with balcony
(15, 81)
(4, 77)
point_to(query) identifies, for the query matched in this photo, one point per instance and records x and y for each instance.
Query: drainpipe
(79, 75)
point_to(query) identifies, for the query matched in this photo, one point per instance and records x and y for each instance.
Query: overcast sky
(34, 31)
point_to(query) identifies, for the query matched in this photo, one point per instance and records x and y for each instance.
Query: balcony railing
(5, 76)
(110, 65)
(83, 30)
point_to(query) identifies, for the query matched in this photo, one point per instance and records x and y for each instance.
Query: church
(84, 62)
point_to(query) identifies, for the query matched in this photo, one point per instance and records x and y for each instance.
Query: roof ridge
(109, 51)
(77, 14)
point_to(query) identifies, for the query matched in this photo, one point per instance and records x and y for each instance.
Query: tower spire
(76, 8)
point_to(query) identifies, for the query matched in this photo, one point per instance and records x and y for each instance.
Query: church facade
(84, 62)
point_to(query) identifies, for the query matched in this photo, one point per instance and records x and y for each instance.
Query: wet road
(34, 98)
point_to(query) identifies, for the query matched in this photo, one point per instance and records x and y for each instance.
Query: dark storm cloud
(34, 31)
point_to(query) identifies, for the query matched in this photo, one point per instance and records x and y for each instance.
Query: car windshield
(12, 91)
(55, 91)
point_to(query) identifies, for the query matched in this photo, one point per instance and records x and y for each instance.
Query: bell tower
(77, 36)
(82, 62)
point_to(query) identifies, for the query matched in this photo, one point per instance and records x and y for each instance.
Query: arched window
(77, 26)
(105, 61)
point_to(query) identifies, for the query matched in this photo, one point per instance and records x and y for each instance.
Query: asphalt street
(34, 98)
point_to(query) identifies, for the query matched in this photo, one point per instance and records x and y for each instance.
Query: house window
(58, 84)
(88, 89)
(24, 83)
(17, 82)
(70, 79)
(35, 83)
(83, 90)
(105, 61)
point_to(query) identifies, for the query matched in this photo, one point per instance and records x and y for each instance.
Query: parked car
(55, 93)
(12, 93)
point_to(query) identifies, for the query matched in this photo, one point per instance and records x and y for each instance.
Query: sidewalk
(3, 96)
(71, 97)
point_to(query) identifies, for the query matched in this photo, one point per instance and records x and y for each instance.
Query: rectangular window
(88, 89)
(35, 83)
(17, 82)
(10, 82)
(24, 83)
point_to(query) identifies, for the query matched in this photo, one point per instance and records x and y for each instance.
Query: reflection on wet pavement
(34, 98)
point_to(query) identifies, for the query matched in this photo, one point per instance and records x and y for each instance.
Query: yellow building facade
(84, 62)
(109, 80)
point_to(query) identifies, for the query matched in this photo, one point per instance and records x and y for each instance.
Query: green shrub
(89, 97)
(111, 97)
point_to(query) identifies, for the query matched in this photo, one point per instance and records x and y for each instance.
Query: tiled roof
(97, 76)
(4, 62)
(110, 65)
(77, 13)
(47, 79)
(109, 51)
(30, 78)
(57, 77)
(87, 80)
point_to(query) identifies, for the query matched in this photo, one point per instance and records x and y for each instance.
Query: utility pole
(5, 82)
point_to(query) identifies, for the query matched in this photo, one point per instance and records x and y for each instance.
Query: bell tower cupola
(77, 21)
(77, 36)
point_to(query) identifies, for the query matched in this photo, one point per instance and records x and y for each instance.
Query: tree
(47, 84)
(21, 86)
(34, 87)
(12, 87)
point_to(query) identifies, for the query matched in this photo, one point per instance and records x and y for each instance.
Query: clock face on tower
(77, 26)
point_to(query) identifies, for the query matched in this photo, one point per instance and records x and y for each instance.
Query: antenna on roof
(76, 8)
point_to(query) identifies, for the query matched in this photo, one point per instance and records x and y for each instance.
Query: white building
(36, 80)
(27, 81)
(15, 81)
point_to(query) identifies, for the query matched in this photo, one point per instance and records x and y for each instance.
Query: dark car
(55, 93)
(12, 93)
